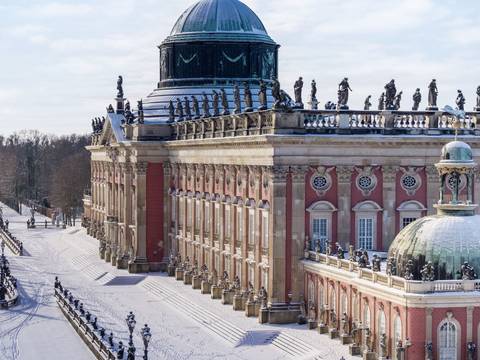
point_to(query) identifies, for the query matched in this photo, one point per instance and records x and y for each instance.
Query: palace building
(213, 167)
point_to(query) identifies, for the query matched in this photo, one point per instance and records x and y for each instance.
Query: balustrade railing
(391, 281)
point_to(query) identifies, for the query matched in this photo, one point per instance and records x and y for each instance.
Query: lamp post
(131, 326)
(146, 336)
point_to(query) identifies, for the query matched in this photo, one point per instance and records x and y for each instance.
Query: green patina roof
(219, 20)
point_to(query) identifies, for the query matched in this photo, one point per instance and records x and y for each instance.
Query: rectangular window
(319, 233)
(365, 233)
(265, 230)
(207, 218)
(228, 220)
(239, 225)
(251, 227)
(197, 215)
(217, 219)
(407, 220)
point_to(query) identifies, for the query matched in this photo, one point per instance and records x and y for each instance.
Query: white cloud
(55, 9)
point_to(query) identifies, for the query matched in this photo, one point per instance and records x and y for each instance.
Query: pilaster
(389, 199)
(433, 186)
(344, 176)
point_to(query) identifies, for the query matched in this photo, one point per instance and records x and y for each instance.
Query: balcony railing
(324, 121)
(395, 282)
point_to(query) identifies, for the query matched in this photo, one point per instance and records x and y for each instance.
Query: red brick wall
(154, 212)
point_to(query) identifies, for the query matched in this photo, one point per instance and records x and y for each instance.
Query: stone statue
(367, 103)
(110, 109)
(362, 259)
(417, 99)
(357, 333)
(478, 99)
(285, 100)
(390, 93)
(127, 106)
(343, 92)
(432, 95)
(196, 108)
(460, 101)
(188, 111)
(383, 345)
(120, 87)
(468, 272)
(345, 324)
(213, 277)
(179, 110)
(224, 97)
(248, 98)
(429, 351)
(376, 263)
(368, 339)
(215, 103)
(313, 96)
(381, 102)
(398, 99)
(171, 111)
(276, 93)
(471, 348)
(323, 314)
(399, 349)
(262, 96)
(263, 297)
(340, 252)
(297, 88)
(237, 100)
(408, 274)
(206, 106)
(328, 248)
(351, 253)
(428, 272)
(333, 319)
(391, 266)
(140, 111)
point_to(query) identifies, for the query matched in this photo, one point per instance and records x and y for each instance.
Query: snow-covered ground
(184, 323)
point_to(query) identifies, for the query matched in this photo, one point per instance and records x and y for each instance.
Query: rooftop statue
(127, 106)
(140, 111)
(376, 263)
(276, 93)
(460, 101)
(237, 99)
(330, 105)
(390, 93)
(398, 99)
(286, 100)
(367, 104)
(206, 106)
(179, 110)
(188, 111)
(428, 272)
(215, 104)
(467, 271)
(171, 111)
(195, 107)
(408, 274)
(298, 87)
(478, 99)
(262, 96)
(343, 92)
(120, 87)
(381, 102)
(110, 109)
(432, 95)
(417, 99)
(248, 97)
(224, 97)
(391, 266)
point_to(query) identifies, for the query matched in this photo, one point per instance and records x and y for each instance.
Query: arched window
(320, 224)
(366, 316)
(366, 224)
(344, 304)
(381, 328)
(397, 334)
(311, 291)
(333, 300)
(448, 340)
(409, 212)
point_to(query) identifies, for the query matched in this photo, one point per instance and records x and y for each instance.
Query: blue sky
(60, 59)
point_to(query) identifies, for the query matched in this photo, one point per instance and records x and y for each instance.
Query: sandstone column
(277, 246)
(298, 229)
(433, 188)
(389, 209)
(139, 263)
(167, 241)
(344, 193)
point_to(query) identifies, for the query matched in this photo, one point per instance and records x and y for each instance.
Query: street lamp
(146, 336)
(131, 326)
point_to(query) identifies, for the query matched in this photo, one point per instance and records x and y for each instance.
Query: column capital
(298, 173)
(141, 167)
(432, 173)
(344, 174)
(389, 173)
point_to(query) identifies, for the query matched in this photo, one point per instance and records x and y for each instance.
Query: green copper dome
(445, 240)
(457, 151)
(219, 20)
